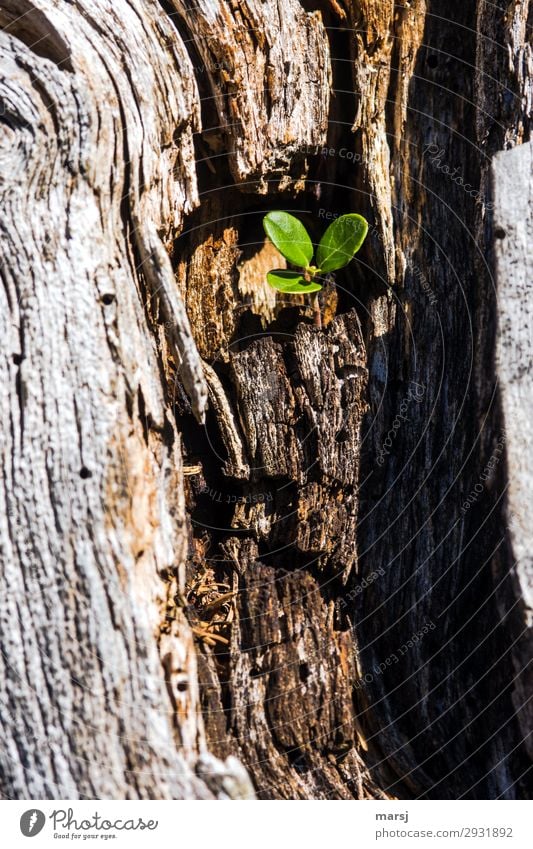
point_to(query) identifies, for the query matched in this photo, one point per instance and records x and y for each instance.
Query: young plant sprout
(336, 249)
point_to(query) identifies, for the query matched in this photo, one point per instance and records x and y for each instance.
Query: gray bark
(513, 220)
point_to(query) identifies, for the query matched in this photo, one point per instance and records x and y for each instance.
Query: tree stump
(241, 555)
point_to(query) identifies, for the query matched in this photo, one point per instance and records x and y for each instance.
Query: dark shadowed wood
(513, 229)
(230, 540)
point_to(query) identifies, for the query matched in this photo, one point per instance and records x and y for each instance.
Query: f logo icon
(32, 822)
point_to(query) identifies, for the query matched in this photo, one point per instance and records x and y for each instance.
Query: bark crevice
(237, 587)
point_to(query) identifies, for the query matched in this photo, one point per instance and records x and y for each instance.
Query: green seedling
(336, 249)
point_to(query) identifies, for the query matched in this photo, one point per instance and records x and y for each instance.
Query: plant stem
(316, 309)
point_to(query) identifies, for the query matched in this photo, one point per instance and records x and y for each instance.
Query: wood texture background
(140, 145)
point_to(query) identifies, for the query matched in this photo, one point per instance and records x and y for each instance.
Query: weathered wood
(96, 161)
(300, 403)
(512, 173)
(422, 180)
(269, 76)
(442, 717)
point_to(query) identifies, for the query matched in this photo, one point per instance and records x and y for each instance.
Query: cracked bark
(140, 145)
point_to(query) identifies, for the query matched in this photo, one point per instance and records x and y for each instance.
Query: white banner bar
(269, 825)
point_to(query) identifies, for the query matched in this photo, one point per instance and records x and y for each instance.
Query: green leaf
(289, 236)
(291, 282)
(341, 241)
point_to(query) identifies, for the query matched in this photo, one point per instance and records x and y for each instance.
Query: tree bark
(242, 554)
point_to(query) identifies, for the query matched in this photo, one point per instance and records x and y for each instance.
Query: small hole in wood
(85, 473)
(342, 435)
(17, 359)
(432, 61)
(108, 299)
(500, 233)
(182, 686)
(304, 671)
